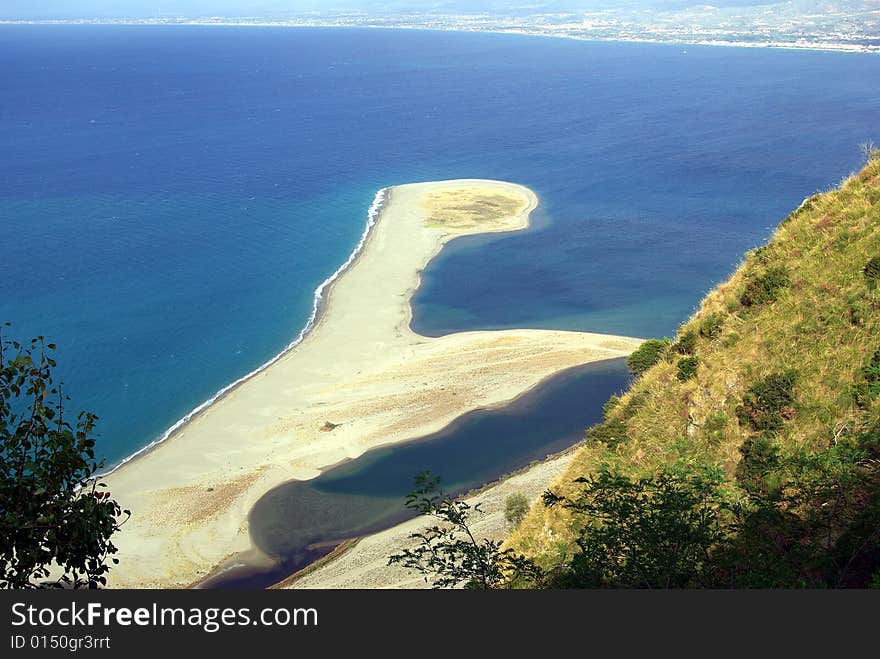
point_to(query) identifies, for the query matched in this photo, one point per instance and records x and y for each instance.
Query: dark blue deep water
(170, 197)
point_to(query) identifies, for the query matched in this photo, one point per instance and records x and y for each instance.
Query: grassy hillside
(773, 387)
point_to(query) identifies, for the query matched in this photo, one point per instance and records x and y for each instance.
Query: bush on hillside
(609, 406)
(713, 428)
(687, 368)
(634, 404)
(651, 532)
(811, 519)
(765, 288)
(711, 326)
(611, 432)
(769, 402)
(516, 506)
(868, 386)
(759, 458)
(449, 555)
(646, 355)
(858, 312)
(686, 344)
(872, 272)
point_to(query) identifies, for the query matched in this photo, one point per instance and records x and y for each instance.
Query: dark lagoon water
(170, 197)
(299, 521)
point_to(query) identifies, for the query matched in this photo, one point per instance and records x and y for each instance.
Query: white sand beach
(361, 371)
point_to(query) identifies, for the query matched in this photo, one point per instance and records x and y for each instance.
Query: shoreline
(247, 573)
(360, 368)
(362, 562)
(832, 47)
(379, 200)
(330, 570)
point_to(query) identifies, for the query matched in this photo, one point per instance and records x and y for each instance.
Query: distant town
(845, 26)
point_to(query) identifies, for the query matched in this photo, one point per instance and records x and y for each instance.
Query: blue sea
(170, 197)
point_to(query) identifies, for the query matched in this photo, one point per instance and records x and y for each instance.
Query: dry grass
(471, 207)
(825, 325)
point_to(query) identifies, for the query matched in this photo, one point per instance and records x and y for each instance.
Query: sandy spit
(361, 371)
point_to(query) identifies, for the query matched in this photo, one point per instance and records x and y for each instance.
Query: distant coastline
(776, 44)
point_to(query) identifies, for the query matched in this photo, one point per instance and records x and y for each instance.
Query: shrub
(686, 344)
(609, 406)
(872, 272)
(811, 518)
(765, 288)
(634, 404)
(730, 340)
(713, 429)
(687, 368)
(449, 552)
(868, 386)
(611, 432)
(516, 506)
(652, 532)
(769, 402)
(646, 355)
(858, 313)
(759, 461)
(711, 326)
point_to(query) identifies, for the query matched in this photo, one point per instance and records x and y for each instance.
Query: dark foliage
(687, 368)
(653, 532)
(609, 406)
(646, 355)
(686, 344)
(858, 312)
(867, 387)
(711, 326)
(811, 519)
(807, 520)
(611, 432)
(760, 460)
(449, 555)
(55, 519)
(872, 272)
(765, 288)
(769, 402)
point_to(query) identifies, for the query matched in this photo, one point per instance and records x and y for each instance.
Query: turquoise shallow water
(171, 197)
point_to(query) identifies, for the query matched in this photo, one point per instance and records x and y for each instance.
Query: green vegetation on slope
(747, 452)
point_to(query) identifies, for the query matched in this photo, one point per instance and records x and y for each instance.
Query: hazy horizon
(64, 9)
